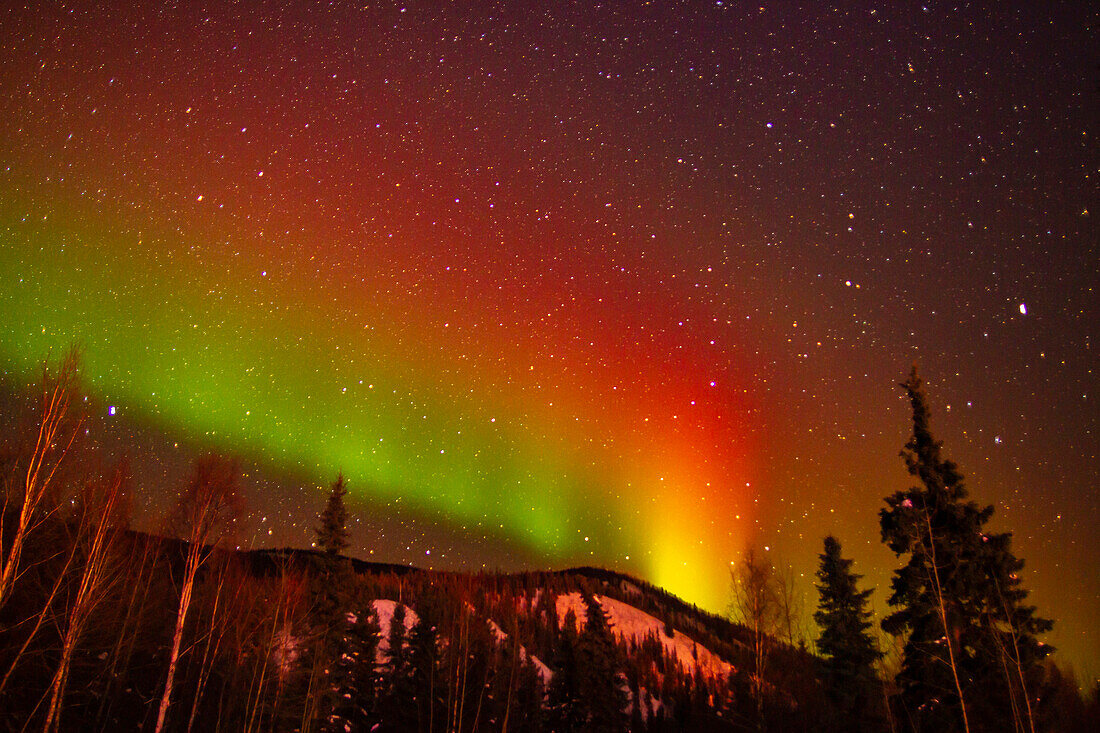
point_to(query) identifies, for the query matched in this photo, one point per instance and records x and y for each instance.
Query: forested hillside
(103, 628)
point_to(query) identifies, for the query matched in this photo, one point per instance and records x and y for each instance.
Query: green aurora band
(273, 367)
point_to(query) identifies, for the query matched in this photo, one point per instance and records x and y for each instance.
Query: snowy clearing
(627, 622)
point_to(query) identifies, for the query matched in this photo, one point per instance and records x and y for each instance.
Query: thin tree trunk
(511, 679)
(459, 696)
(887, 709)
(213, 643)
(210, 498)
(481, 696)
(452, 680)
(190, 571)
(1016, 657)
(92, 583)
(1023, 686)
(465, 671)
(431, 693)
(883, 677)
(943, 618)
(126, 637)
(58, 583)
(254, 706)
(56, 397)
(310, 710)
(1017, 723)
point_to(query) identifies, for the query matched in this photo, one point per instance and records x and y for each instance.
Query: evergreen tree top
(848, 651)
(922, 451)
(957, 596)
(332, 534)
(842, 613)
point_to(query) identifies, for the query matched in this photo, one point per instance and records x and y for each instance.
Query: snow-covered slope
(383, 609)
(544, 672)
(627, 622)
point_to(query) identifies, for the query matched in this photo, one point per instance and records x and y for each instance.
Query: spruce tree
(419, 688)
(353, 677)
(564, 709)
(602, 697)
(958, 596)
(332, 534)
(332, 585)
(395, 673)
(847, 649)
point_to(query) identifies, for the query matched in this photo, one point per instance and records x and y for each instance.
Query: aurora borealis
(560, 283)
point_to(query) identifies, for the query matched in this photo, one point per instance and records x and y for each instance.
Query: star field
(625, 284)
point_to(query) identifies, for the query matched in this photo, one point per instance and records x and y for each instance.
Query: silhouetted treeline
(107, 629)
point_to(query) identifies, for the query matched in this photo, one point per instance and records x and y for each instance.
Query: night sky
(622, 284)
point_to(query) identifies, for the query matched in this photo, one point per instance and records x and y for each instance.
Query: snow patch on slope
(630, 623)
(648, 706)
(383, 610)
(543, 671)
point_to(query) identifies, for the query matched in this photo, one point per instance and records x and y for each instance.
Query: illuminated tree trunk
(947, 635)
(756, 604)
(213, 643)
(57, 395)
(192, 567)
(131, 623)
(209, 503)
(40, 621)
(959, 580)
(93, 581)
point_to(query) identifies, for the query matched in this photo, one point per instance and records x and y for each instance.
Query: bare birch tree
(757, 605)
(227, 602)
(97, 530)
(202, 517)
(53, 441)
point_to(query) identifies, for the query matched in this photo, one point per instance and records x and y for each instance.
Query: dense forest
(103, 628)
